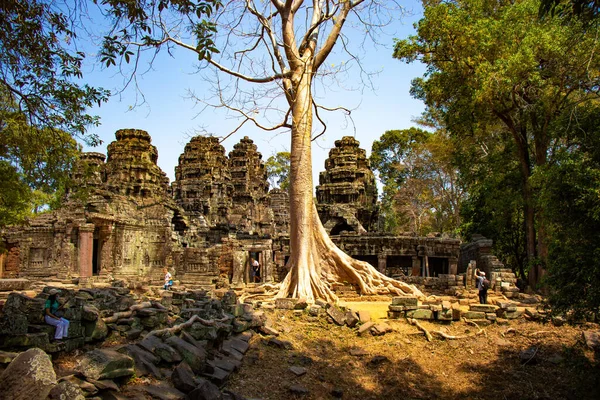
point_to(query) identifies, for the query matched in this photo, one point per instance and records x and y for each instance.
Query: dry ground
(482, 367)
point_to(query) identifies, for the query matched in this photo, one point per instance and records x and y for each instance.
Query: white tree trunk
(315, 262)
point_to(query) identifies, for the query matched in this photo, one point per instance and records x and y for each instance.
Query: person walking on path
(482, 285)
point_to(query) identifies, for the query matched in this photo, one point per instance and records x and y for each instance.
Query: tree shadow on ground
(402, 365)
(537, 371)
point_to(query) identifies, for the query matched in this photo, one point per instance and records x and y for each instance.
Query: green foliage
(15, 196)
(421, 193)
(499, 78)
(278, 170)
(35, 164)
(571, 201)
(39, 65)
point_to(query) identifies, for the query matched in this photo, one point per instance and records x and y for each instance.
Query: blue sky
(172, 119)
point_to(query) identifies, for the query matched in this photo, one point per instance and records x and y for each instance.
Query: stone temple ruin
(122, 220)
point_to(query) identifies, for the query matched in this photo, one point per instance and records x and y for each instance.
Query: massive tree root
(312, 275)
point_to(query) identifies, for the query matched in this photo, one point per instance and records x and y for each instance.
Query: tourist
(52, 309)
(168, 280)
(255, 272)
(482, 288)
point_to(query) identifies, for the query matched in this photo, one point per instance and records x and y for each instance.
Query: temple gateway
(123, 220)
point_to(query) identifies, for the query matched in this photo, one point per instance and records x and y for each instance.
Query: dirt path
(403, 365)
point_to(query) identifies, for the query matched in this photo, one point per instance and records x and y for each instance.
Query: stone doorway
(95, 260)
(438, 266)
(251, 278)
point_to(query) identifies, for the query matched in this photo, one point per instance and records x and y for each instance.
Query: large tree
(493, 62)
(260, 50)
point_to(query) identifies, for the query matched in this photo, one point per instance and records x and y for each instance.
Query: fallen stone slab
(205, 390)
(225, 364)
(89, 389)
(156, 346)
(194, 356)
(183, 378)
(298, 371)
(144, 361)
(237, 344)
(364, 328)
(485, 308)
(405, 301)
(218, 376)
(285, 304)
(29, 376)
(105, 384)
(364, 316)
(101, 364)
(337, 315)
(351, 318)
(282, 344)
(163, 392)
(66, 390)
(380, 329)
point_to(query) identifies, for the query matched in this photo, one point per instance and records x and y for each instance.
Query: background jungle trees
(278, 170)
(421, 192)
(493, 65)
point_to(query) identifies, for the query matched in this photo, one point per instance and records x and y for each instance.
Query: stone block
(30, 376)
(397, 308)
(351, 318)
(28, 340)
(405, 301)
(337, 315)
(491, 316)
(445, 315)
(144, 361)
(485, 308)
(156, 346)
(474, 315)
(446, 305)
(364, 328)
(396, 314)
(14, 285)
(420, 314)
(194, 356)
(101, 364)
(364, 316)
(285, 304)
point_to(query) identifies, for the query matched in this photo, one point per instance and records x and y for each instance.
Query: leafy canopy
(40, 67)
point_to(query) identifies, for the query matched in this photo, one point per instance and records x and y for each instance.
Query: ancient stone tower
(249, 176)
(131, 168)
(347, 194)
(203, 186)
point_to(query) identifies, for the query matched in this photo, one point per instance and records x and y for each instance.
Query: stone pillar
(382, 263)
(240, 260)
(267, 263)
(452, 265)
(86, 250)
(416, 266)
(426, 266)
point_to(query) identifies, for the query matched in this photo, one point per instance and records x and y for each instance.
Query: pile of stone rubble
(186, 342)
